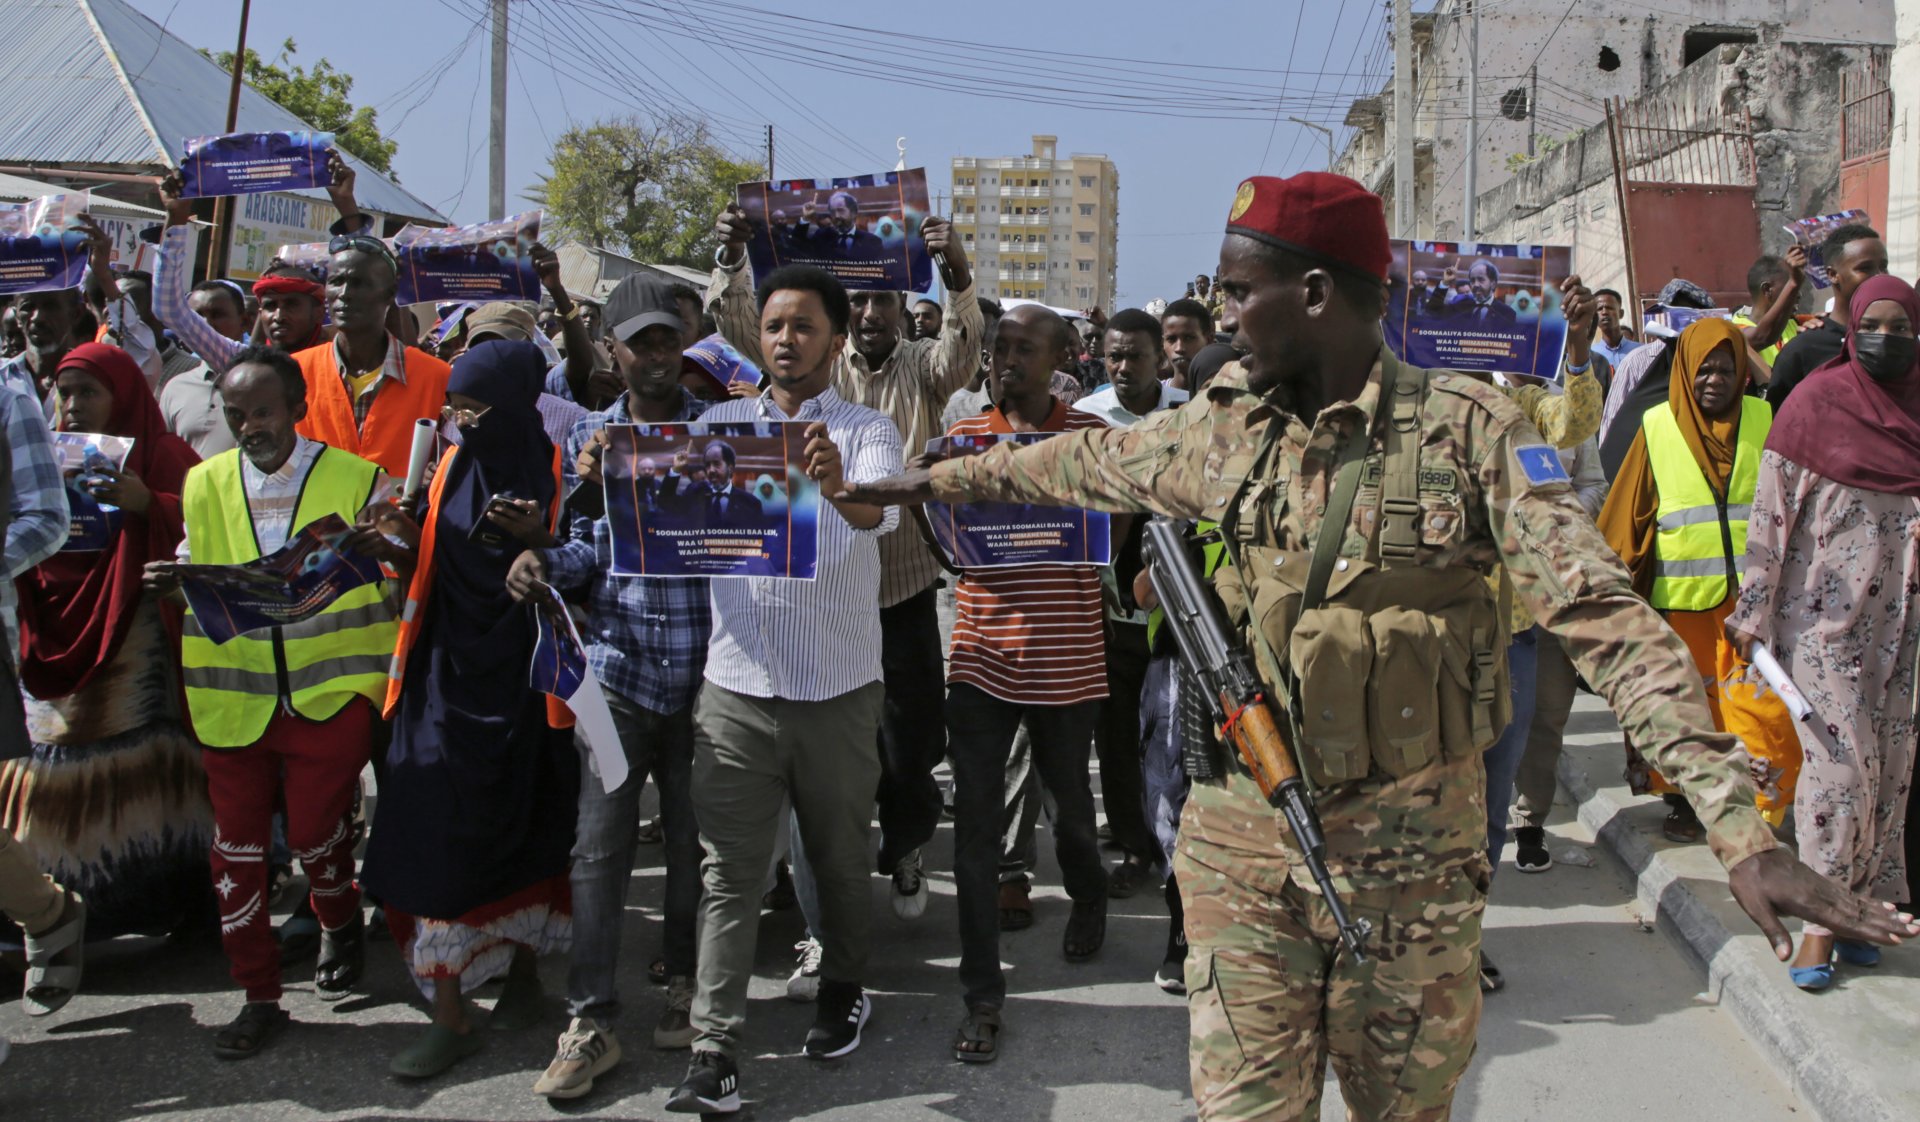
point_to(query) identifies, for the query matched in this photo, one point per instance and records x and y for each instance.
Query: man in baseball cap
(638, 302)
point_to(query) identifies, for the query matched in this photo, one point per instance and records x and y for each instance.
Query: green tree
(648, 189)
(320, 96)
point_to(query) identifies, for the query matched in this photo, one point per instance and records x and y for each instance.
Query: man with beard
(910, 382)
(647, 644)
(300, 741)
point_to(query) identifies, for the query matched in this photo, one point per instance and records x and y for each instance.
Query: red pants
(314, 766)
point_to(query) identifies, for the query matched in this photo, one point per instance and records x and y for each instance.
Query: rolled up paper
(1776, 678)
(424, 433)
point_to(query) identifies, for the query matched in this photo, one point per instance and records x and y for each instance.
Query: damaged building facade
(1547, 69)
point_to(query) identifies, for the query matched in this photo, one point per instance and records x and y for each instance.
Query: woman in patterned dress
(112, 802)
(1833, 569)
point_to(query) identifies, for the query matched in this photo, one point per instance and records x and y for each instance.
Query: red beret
(1329, 218)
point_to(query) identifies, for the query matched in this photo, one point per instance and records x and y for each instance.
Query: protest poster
(560, 670)
(293, 583)
(251, 163)
(865, 230)
(726, 499)
(1003, 535)
(482, 262)
(715, 362)
(1476, 306)
(1811, 232)
(91, 524)
(42, 248)
(1662, 321)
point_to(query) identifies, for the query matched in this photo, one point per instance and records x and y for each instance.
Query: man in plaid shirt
(647, 644)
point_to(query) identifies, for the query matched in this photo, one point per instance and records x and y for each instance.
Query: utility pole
(497, 134)
(1469, 226)
(1404, 187)
(1533, 101)
(769, 153)
(1319, 129)
(223, 206)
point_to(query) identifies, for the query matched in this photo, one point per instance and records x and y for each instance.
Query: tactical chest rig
(1385, 665)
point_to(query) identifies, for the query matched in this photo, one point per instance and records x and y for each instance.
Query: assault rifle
(1215, 657)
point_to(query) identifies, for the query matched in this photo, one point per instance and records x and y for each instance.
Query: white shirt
(273, 499)
(1106, 405)
(810, 640)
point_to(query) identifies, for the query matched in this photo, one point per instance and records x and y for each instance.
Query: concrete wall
(1646, 49)
(1903, 173)
(1791, 92)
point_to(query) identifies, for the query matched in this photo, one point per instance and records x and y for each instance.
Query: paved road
(1599, 1019)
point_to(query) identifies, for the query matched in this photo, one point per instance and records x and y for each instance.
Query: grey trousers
(1554, 687)
(752, 755)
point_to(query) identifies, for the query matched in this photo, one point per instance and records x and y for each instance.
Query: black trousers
(1117, 742)
(913, 727)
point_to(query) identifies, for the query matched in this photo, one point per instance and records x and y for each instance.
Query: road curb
(1741, 971)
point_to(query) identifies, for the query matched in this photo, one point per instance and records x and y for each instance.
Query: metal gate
(1866, 134)
(1684, 179)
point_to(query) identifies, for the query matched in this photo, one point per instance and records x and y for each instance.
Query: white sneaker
(805, 983)
(909, 887)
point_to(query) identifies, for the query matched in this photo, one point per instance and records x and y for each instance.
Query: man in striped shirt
(791, 704)
(1027, 645)
(909, 381)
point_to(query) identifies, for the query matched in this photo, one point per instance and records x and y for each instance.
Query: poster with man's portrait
(483, 262)
(864, 229)
(726, 499)
(1478, 307)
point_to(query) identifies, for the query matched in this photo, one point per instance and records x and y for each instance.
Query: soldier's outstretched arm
(1162, 468)
(1578, 589)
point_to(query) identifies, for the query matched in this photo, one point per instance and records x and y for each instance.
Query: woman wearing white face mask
(1833, 559)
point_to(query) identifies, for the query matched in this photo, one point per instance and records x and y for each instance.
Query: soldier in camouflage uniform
(1400, 675)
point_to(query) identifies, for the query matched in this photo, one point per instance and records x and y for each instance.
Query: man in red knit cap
(1381, 648)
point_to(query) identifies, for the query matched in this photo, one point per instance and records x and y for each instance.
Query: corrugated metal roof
(94, 82)
(18, 188)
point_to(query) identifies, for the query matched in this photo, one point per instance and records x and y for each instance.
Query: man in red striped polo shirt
(1027, 644)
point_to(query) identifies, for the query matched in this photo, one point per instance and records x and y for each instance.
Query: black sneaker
(712, 1086)
(843, 1012)
(1530, 850)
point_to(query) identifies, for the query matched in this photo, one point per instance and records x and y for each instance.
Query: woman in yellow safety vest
(1677, 515)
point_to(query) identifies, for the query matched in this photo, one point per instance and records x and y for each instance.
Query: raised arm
(730, 295)
(1770, 321)
(173, 283)
(956, 354)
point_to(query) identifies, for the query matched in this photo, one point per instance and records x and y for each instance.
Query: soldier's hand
(905, 489)
(1774, 883)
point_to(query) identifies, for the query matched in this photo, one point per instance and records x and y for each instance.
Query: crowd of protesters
(1755, 472)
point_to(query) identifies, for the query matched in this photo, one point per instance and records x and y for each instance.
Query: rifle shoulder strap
(1346, 484)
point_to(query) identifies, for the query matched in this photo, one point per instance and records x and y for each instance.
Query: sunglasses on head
(364, 243)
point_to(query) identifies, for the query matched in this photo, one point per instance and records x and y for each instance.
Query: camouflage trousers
(1271, 995)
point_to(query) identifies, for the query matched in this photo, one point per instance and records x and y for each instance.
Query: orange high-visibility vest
(387, 439)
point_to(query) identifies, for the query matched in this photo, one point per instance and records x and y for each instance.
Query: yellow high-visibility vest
(314, 667)
(1700, 549)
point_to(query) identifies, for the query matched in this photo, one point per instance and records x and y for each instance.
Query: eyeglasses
(465, 418)
(365, 244)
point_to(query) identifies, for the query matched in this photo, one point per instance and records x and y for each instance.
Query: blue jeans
(1503, 759)
(603, 851)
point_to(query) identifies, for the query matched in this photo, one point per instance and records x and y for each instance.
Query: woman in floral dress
(1833, 569)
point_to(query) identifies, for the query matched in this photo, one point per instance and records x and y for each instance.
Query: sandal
(1086, 931)
(1128, 877)
(978, 1040)
(435, 1052)
(54, 960)
(256, 1026)
(649, 833)
(657, 972)
(1016, 905)
(343, 958)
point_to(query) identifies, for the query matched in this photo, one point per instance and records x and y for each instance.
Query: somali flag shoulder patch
(1541, 464)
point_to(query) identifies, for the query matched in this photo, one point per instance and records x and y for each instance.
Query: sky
(1186, 99)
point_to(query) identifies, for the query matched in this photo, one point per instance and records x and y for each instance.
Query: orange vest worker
(387, 439)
